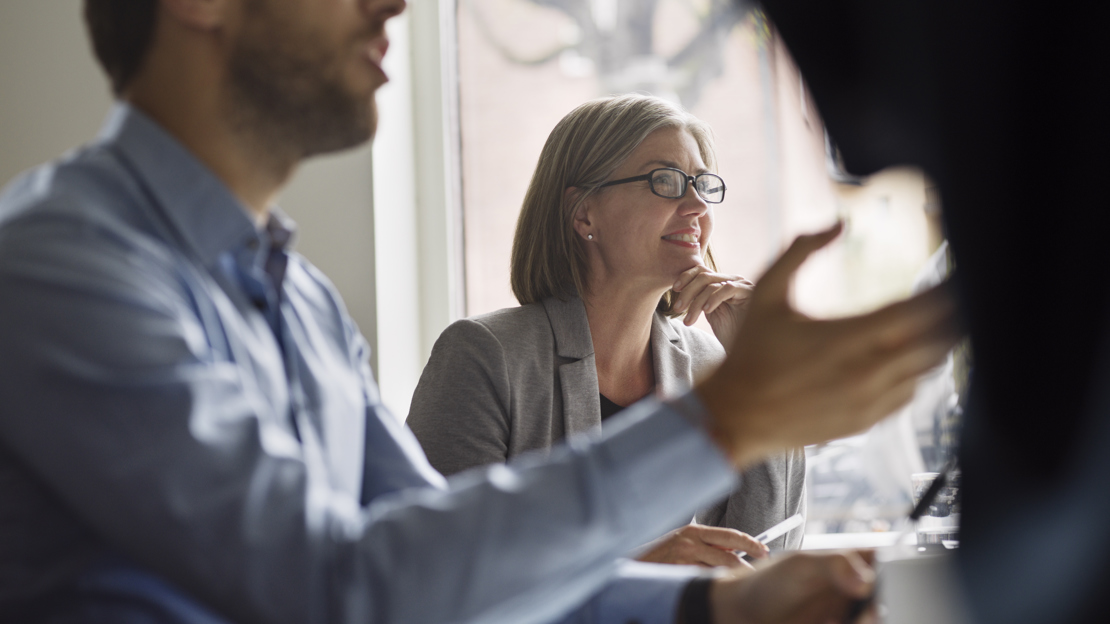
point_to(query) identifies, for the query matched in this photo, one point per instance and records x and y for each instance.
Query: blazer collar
(673, 373)
(572, 340)
(570, 326)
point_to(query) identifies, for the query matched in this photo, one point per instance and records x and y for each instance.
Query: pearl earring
(589, 237)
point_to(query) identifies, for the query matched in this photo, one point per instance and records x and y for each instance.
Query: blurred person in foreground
(998, 105)
(613, 240)
(189, 431)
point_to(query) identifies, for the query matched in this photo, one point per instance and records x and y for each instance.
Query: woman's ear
(582, 224)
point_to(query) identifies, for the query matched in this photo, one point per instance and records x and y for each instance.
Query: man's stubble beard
(290, 101)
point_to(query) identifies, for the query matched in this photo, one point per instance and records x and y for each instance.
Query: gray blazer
(521, 379)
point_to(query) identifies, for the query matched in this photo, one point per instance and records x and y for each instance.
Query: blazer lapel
(581, 405)
(577, 378)
(673, 373)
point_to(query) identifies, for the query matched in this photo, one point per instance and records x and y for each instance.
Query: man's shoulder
(82, 219)
(88, 187)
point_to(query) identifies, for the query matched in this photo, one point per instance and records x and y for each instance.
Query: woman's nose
(691, 202)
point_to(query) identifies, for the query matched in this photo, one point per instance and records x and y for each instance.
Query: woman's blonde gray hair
(582, 152)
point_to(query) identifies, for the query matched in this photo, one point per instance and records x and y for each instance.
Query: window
(523, 64)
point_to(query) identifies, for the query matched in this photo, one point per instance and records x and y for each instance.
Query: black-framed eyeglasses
(672, 183)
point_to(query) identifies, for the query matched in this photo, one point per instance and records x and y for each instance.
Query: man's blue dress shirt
(189, 426)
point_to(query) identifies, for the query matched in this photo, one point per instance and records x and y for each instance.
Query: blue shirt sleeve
(119, 394)
(639, 593)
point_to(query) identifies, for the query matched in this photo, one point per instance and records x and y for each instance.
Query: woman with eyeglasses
(611, 247)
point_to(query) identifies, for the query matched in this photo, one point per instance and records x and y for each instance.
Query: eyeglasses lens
(710, 187)
(668, 183)
(672, 183)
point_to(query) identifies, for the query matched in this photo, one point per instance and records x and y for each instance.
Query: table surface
(828, 541)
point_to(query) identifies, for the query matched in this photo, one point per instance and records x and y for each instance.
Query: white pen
(780, 529)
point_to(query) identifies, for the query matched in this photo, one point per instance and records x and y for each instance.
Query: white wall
(52, 95)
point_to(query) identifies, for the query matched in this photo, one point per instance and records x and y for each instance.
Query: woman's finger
(731, 539)
(733, 292)
(703, 280)
(698, 304)
(688, 546)
(688, 276)
(692, 287)
(712, 556)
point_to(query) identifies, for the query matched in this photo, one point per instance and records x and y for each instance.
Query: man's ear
(582, 223)
(198, 14)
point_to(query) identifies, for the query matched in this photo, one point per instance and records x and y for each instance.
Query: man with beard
(189, 430)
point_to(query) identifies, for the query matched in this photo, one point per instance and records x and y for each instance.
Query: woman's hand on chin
(722, 298)
(696, 544)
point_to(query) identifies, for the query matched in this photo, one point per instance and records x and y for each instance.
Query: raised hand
(791, 380)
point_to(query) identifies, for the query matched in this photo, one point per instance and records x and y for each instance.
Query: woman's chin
(673, 273)
(689, 262)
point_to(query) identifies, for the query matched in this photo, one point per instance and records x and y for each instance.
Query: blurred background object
(1003, 103)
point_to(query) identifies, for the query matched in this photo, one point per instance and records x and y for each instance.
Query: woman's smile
(688, 238)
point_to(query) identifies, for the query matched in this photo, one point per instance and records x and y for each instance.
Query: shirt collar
(208, 217)
(280, 229)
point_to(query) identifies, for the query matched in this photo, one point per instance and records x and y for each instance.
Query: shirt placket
(262, 266)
